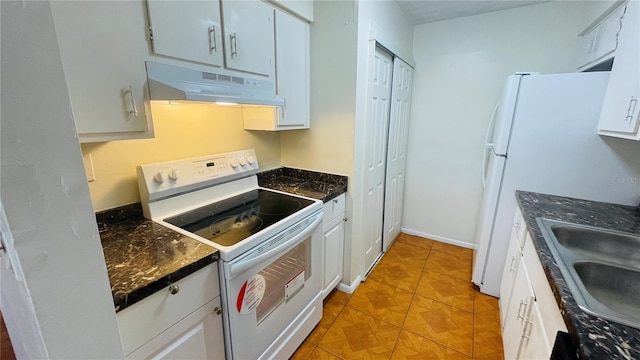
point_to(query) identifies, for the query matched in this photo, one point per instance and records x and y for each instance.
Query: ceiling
(426, 11)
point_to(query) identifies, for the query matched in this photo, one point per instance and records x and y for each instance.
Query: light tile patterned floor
(418, 303)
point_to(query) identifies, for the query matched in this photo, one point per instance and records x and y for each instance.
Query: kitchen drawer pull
(233, 38)
(632, 109)
(522, 302)
(134, 111)
(174, 289)
(512, 268)
(527, 326)
(213, 46)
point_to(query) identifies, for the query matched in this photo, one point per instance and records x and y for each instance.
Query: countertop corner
(143, 257)
(313, 184)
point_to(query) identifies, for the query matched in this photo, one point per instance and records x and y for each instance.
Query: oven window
(284, 278)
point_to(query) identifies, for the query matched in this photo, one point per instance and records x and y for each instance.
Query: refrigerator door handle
(488, 145)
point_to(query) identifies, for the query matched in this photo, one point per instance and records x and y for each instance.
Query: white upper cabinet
(619, 116)
(234, 34)
(301, 8)
(292, 69)
(292, 76)
(248, 36)
(601, 41)
(103, 47)
(187, 30)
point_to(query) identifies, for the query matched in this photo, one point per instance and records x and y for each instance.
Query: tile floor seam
(395, 283)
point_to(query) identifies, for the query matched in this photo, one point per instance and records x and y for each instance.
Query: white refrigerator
(543, 138)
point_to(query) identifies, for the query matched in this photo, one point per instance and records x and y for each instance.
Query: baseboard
(349, 289)
(443, 239)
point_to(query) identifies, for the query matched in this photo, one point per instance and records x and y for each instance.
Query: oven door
(269, 289)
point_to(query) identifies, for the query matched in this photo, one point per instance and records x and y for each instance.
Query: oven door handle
(248, 262)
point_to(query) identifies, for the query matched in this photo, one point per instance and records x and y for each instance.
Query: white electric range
(270, 246)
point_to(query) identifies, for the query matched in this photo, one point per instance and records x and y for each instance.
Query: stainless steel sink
(601, 268)
(612, 246)
(616, 287)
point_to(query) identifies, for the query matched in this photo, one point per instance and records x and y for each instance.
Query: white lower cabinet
(529, 314)
(182, 321)
(333, 234)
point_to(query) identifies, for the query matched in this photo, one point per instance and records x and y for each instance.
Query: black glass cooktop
(232, 220)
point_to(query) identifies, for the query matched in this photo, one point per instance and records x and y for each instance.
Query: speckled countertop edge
(313, 184)
(596, 338)
(143, 257)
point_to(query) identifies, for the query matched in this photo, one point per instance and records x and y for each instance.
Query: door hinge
(150, 33)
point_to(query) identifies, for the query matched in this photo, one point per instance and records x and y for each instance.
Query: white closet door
(379, 103)
(397, 151)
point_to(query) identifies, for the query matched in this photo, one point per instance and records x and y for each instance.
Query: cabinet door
(248, 36)
(534, 344)
(508, 276)
(519, 306)
(187, 30)
(292, 69)
(619, 116)
(198, 336)
(103, 48)
(333, 234)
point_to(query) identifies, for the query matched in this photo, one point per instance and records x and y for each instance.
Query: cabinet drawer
(144, 320)
(333, 208)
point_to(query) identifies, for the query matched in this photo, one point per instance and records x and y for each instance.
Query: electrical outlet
(88, 167)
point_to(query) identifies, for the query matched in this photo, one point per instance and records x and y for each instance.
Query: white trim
(349, 289)
(443, 239)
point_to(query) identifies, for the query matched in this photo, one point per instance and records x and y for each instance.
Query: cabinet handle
(631, 109)
(528, 324)
(234, 45)
(522, 302)
(218, 310)
(213, 46)
(513, 263)
(174, 289)
(134, 110)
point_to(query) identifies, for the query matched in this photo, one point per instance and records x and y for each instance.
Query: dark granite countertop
(595, 337)
(144, 257)
(312, 184)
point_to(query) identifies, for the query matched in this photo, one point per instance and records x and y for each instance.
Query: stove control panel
(173, 177)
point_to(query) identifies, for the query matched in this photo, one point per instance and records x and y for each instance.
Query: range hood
(168, 82)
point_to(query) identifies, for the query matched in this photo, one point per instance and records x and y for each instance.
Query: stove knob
(159, 177)
(234, 163)
(173, 174)
(243, 161)
(251, 159)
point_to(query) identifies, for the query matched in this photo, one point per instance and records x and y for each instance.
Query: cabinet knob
(218, 310)
(173, 289)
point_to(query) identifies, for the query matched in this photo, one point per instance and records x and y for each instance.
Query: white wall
(181, 131)
(56, 298)
(460, 65)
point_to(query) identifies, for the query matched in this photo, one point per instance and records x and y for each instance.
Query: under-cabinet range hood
(168, 82)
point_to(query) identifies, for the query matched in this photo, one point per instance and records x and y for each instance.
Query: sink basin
(609, 245)
(616, 287)
(601, 268)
